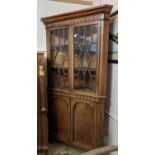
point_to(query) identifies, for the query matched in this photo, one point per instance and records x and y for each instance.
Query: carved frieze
(75, 21)
(79, 96)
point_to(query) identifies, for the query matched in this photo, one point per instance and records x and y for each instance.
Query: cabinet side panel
(103, 56)
(48, 44)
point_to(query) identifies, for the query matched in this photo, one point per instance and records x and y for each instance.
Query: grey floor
(58, 148)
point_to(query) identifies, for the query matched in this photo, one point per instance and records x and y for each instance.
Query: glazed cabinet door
(83, 119)
(59, 118)
(86, 55)
(58, 68)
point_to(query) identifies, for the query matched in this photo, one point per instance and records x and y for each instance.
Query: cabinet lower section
(76, 121)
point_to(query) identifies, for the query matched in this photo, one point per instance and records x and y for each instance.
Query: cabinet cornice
(103, 9)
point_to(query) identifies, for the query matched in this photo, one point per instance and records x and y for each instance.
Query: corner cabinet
(77, 49)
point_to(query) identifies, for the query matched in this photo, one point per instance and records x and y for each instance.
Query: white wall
(112, 2)
(111, 117)
(48, 8)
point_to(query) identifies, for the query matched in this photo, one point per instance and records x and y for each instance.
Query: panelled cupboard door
(83, 121)
(59, 116)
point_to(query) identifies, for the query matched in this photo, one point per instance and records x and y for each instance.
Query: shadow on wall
(111, 124)
(109, 82)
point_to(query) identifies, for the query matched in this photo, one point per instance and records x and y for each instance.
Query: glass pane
(85, 52)
(58, 77)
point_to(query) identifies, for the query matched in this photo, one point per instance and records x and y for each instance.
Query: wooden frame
(91, 103)
(84, 2)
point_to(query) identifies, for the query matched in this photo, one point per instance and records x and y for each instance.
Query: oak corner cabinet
(77, 54)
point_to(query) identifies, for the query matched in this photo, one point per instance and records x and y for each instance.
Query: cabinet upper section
(103, 9)
(77, 50)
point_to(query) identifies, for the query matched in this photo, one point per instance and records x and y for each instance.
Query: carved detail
(41, 70)
(75, 21)
(78, 102)
(74, 95)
